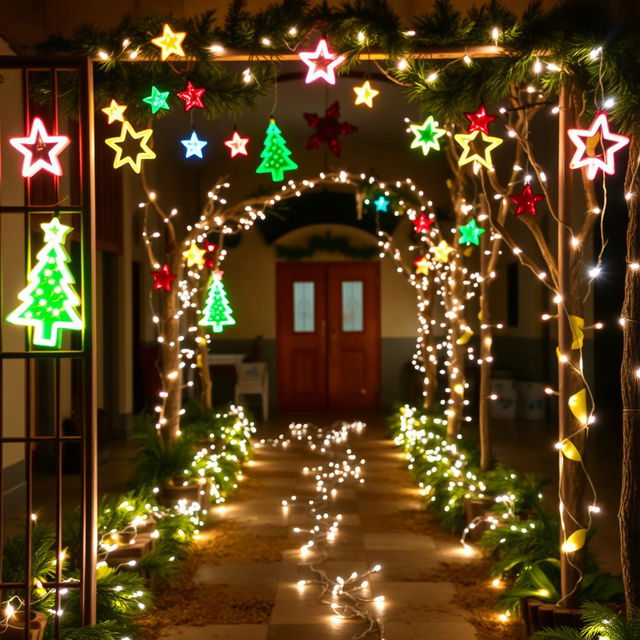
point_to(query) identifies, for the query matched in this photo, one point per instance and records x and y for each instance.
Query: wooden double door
(328, 335)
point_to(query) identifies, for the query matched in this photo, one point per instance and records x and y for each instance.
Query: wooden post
(486, 342)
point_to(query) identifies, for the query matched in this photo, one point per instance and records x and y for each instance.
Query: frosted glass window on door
(304, 308)
(352, 307)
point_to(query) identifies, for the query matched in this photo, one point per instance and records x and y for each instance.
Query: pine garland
(329, 243)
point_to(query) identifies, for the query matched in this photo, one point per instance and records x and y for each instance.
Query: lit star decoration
(467, 155)
(170, 42)
(157, 100)
(163, 278)
(470, 233)
(49, 301)
(192, 97)
(526, 201)
(322, 63)
(194, 255)
(328, 129)
(237, 144)
(275, 155)
(426, 135)
(422, 266)
(145, 152)
(422, 224)
(115, 112)
(40, 150)
(193, 146)
(441, 251)
(382, 203)
(480, 120)
(587, 142)
(365, 94)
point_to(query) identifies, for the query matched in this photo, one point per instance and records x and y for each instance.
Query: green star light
(470, 233)
(157, 100)
(426, 135)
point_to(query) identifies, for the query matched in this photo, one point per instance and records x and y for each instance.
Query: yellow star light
(365, 94)
(441, 251)
(145, 152)
(468, 155)
(115, 111)
(194, 255)
(422, 266)
(170, 42)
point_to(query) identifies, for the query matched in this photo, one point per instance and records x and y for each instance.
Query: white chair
(253, 378)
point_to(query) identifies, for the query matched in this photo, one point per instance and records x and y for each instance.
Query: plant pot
(542, 615)
(139, 547)
(476, 508)
(170, 494)
(15, 627)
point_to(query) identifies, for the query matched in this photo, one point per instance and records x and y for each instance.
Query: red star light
(163, 278)
(526, 201)
(322, 63)
(192, 97)
(480, 120)
(40, 150)
(237, 144)
(210, 255)
(328, 129)
(590, 149)
(422, 224)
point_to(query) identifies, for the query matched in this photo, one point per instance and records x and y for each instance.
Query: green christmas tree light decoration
(217, 311)
(275, 155)
(49, 301)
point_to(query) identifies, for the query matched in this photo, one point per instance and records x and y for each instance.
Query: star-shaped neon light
(441, 251)
(237, 144)
(470, 233)
(480, 120)
(170, 42)
(194, 255)
(192, 97)
(422, 224)
(115, 112)
(382, 203)
(422, 266)
(468, 155)
(526, 201)
(40, 150)
(193, 146)
(365, 94)
(426, 135)
(163, 278)
(145, 152)
(322, 63)
(587, 142)
(328, 128)
(157, 100)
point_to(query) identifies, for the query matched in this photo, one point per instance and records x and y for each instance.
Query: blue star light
(193, 146)
(382, 204)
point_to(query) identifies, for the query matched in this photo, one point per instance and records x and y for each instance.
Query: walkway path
(375, 529)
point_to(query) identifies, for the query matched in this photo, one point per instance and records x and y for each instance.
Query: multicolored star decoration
(322, 63)
(40, 150)
(194, 255)
(170, 42)
(157, 100)
(426, 135)
(237, 144)
(422, 224)
(144, 152)
(193, 146)
(115, 112)
(591, 151)
(470, 233)
(209, 255)
(365, 94)
(441, 251)
(192, 97)
(162, 278)
(526, 201)
(381, 203)
(480, 120)
(328, 129)
(469, 155)
(422, 266)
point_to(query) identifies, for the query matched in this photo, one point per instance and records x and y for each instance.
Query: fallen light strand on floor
(349, 597)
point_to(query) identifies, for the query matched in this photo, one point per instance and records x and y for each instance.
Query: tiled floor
(413, 608)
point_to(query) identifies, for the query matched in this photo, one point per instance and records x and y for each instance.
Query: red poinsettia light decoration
(328, 129)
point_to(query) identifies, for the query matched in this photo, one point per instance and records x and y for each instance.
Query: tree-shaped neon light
(49, 301)
(275, 155)
(217, 311)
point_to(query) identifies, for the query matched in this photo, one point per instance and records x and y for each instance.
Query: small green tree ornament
(217, 311)
(275, 155)
(49, 301)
